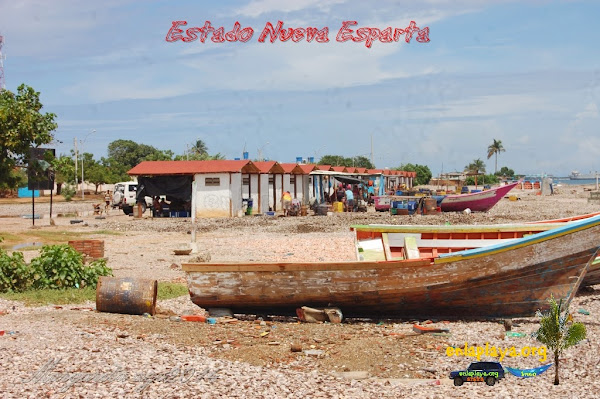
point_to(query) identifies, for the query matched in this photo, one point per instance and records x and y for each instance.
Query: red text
(319, 35)
(387, 35)
(218, 35)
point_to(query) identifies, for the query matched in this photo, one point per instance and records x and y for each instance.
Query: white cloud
(260, 7)
(590, 111)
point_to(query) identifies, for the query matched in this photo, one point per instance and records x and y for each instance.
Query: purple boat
(482, 201)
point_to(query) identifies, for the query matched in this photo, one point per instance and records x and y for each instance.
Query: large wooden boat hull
(506, 280)
(477, 202)
(385, 242)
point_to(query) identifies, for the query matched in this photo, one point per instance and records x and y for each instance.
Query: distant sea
(566, 180)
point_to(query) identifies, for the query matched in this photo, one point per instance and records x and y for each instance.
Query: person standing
(286, 202)
(349, 199)
(107, 199)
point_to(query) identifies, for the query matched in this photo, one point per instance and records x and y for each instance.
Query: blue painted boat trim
(519, 242)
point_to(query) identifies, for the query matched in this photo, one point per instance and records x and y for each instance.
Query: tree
(423, 172)
(199, 148)
(338, 160)
(64, 171)
(475, 167)
(558, 332)
(506, 172)
(22, 126)
(129, 153)
(495, 148)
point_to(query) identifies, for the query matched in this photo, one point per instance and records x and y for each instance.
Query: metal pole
(76, 162)
(82, 181)
(33, 206)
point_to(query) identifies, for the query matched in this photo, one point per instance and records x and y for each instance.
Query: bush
(482, 180)
(68, 191)
(61, 266)
(15, 275)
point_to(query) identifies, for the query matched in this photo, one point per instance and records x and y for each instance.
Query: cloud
(259, 7)
(590, 111)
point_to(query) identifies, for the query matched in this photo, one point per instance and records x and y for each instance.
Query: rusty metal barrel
(429, 206)
(126, 295)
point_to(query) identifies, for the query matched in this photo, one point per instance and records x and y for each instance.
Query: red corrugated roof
(339, 168)
(292, 168)
(374, 171)
(324, 167)
(269, 167)
(307, 168)
(361, 170)
(156, 168)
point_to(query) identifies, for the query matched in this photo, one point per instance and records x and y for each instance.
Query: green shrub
(61, 266)
(15, 275)
(68, 191)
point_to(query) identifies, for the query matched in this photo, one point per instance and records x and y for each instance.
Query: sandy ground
(135, 356)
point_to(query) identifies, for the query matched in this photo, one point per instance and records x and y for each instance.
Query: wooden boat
(509, 279)
(481, 201)
(387, 242)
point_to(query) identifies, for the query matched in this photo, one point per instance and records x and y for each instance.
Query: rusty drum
(429, 206)
(126, 295)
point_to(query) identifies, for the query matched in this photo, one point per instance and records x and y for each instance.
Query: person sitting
(156, 209)
(349, 199)
(164, 208)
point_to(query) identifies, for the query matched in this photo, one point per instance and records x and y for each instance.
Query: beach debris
(175, 318)
(220, 312)
(423, 330)
(194, 317)
(296, 348)
(211, 320)
(314, 352)
(515, 334)
(312, 315)
(508, 324)
(583, 311)
(467, 211)
(352, 375)
(75, 221)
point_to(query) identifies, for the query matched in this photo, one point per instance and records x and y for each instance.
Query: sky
(523, 72)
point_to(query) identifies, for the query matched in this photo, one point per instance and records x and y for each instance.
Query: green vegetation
(423, 172)
(74, 296)
(494, 149)
(339, 160)
(68, 192)
(475, 168)
(57, 266)
(485, 179)
(22, 127)
(558, 331)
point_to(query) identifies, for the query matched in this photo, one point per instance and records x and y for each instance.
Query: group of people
(347, 196)
(160, 207)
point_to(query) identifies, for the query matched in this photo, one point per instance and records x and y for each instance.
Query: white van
(124, 197)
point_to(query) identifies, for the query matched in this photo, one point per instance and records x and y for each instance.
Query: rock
(314, 352)
(352, 375)
(202, 257)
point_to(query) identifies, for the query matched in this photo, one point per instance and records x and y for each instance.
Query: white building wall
(213, 201)
(264, 192)
(236, 193)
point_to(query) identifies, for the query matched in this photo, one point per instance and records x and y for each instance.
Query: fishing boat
(381, 242)
(481, 201)
(575, 175)
(508, 279)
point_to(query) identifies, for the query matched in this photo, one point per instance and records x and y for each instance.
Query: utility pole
(76, 162)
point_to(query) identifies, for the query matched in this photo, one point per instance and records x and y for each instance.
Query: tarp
(179, 187)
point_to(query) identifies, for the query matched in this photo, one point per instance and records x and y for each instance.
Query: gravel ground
(52, 351)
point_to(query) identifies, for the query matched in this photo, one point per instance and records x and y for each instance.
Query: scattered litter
(422, 330)
(515, 334)
(264, 333)
(441, 334)
(175, 318)
(194, 317)
(296, 348)
(75, 221)
(182, 251)
(314, 352)
(211, 320)
(583, 311)
(273, 343)
(220, 312)
(147, 315)
(100, 217)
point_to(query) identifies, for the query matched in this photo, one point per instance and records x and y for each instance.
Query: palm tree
(557, 331)
(475, 167)
(199, 148)
(495, 148)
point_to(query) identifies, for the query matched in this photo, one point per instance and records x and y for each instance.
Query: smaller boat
(526, 373)
(481, 201)
(575, 175)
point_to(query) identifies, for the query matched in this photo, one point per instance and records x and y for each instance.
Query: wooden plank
(284, 267)
(386, 246)
(410, 248)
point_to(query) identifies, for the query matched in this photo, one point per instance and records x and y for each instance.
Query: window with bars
(212, 181)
